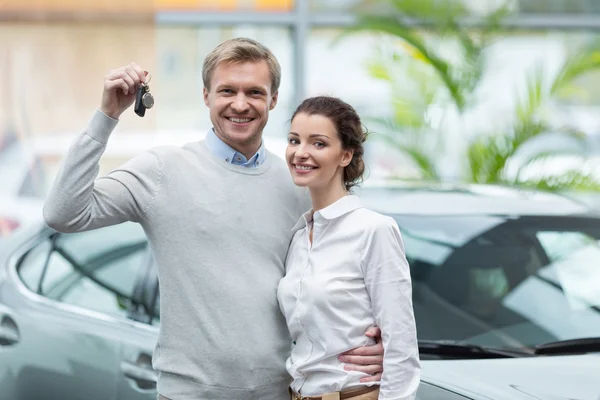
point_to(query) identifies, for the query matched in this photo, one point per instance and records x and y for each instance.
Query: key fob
(143, 100)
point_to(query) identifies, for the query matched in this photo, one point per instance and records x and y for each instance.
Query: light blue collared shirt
(224, 152)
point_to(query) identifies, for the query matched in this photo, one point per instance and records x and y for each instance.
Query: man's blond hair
(239, 50)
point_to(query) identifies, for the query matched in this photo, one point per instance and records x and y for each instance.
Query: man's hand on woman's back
(367, 359)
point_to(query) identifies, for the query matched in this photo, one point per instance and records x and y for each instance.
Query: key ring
(148, 78)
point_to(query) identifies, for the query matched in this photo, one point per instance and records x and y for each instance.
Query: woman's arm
(387, 279)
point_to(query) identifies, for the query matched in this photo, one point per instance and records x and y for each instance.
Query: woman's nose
(302, 151)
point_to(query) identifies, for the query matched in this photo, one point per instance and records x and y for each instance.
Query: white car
(505, 293)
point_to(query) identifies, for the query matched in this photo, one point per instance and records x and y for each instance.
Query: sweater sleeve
(388, 282)
(78, 201)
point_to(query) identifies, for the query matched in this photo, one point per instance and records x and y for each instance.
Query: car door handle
(144, 376)
(9, 333)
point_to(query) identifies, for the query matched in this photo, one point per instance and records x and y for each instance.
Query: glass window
(332, 65)
(504, 281)
(333, 5)
(181, 52)
(96, 270)
(31, 266)
(559, 6)
(525, 6)
(559, 245)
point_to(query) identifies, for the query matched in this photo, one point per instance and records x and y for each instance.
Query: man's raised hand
(119, 89)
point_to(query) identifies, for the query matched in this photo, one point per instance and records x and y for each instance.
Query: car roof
(426, 198)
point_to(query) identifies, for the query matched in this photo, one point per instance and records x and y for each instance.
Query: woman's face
(314, 152)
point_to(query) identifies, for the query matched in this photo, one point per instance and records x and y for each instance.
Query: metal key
(143, 98)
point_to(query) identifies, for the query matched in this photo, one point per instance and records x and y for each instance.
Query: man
(218, 215)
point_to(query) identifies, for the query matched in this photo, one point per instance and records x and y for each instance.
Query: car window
(96, 270)
(504, 281)
(559, 245)
(32, 265)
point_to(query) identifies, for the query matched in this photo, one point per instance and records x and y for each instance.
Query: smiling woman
(326, 133)
(345, 269)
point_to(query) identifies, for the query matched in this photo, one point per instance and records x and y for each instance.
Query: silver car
(506, 287)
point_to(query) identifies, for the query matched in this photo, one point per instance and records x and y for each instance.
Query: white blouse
(353, 276)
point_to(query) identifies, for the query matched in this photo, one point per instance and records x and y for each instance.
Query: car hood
(543, 377)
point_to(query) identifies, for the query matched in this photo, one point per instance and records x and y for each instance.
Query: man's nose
(240, 103)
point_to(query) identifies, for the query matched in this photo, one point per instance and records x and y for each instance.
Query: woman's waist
(317, 349)
(323, 375)
(317, 380)
(363, 392)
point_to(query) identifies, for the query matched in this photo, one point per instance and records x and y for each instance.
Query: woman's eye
(293, 141)
(319, 145)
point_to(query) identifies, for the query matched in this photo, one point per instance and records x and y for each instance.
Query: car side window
(96, 270)
(32, 265)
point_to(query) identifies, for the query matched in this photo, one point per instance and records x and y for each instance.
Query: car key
(143, 98)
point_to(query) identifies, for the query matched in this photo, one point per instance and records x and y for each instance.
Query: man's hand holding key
(120, 87)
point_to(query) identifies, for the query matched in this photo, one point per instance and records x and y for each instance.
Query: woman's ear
(347, 157)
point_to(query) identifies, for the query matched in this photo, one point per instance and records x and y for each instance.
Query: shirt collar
(223, 151)
(341, 207)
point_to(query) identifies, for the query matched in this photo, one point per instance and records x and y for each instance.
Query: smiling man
(218, 214)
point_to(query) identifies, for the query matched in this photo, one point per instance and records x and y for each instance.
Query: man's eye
(226, 91)
(256, 93)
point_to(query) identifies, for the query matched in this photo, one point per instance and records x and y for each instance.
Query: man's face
(239, 100)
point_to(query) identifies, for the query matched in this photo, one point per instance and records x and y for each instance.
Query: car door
(70, 299)
(137, 379)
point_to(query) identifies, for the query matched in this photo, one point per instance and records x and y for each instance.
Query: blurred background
(484, 91)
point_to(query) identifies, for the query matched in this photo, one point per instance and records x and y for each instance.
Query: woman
(345, 270)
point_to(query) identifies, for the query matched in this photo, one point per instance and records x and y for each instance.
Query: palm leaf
(409, 144)
(574, 67)
(396, 27)
(487, 158)
(542, 157)
(528, 107)
(420, 158)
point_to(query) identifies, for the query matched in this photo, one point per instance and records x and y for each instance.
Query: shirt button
(239, 158)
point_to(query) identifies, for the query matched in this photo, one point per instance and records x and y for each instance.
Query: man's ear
(205, 95)
(347, 157)
(274, 99)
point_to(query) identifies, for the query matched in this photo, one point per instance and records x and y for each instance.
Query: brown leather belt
(344, 394)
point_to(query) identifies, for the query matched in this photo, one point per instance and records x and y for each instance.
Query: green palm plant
(488, 156)
(460, 78)
(410, 100)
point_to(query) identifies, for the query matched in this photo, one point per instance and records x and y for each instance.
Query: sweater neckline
(259, 170)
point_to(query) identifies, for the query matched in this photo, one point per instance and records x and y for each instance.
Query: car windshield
(504, 281)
